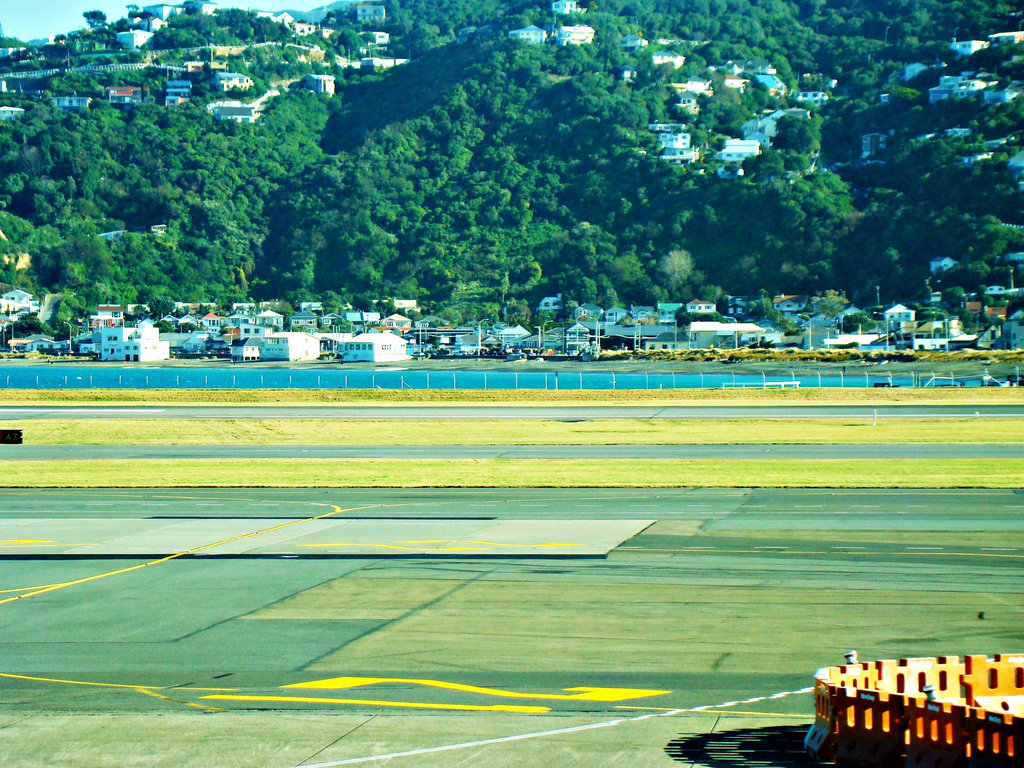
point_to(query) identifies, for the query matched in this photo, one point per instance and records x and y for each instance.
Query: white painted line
(771, 547)
(543, 734)
(849, 547)
(929, 549)
(999, 549)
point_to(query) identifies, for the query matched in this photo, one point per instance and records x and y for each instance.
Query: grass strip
(221, 397)
(517, 473)
(229, 431)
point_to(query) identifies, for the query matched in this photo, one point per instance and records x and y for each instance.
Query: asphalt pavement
(470, 452)
(516, 412)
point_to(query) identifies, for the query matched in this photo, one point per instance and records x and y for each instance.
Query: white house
(738, 150)
(565, 7)
(71, 103)
(1007, 38)
(10, 113)
(700, 307)
(1013, 330)
(578, 35)
(268, 318)
(898, 314)
(133, 345)
(772, 83)
(817, 98)
(531, 34)
(615, 314)
(366, 12)
(133, 38)
(707, 333)
(374, 348)
(288, 346)
(968, 47)
(18, 300)
(671, 58)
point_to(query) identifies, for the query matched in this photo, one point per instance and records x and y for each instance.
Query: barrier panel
(936, 735)
(869, 727)
(940, 712)
(995, 739)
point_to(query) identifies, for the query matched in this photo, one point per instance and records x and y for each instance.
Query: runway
(514, 412)
(281, 605)
(475, 452)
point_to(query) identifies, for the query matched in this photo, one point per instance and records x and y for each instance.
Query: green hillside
(491, 172)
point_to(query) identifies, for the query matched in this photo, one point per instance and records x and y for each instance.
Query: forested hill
(491, 171)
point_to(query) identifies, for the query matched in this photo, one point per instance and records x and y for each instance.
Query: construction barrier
(940, 712)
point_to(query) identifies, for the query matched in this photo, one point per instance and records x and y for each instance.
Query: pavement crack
(347, 733)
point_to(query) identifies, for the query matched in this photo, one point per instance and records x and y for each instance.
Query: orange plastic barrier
(940, 712)
(995, 739)
(869, 727)
(936, 735)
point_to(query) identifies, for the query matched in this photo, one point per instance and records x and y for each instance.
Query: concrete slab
(139, 538)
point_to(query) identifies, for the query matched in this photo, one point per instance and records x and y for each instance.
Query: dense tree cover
(489, 173)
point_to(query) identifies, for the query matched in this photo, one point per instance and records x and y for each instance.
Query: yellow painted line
(162, 697)
(576, 694)
(335, 510)
(78, 682)
(27, 541)
(518, 708)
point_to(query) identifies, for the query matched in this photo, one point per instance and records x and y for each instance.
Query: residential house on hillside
(790, 304)
(365, 12)
(872, 143)
(550, 304)
(211, 321)
(632, 43)
(587, 310)
(615, 314)
(578, 35)
(531, 34)
(235, 110)
(968, 47)
(956, 87)
(11, 113)
(71, 103)
(670, 58)
(226, 81)
(737, 150)
(700, 307)
(565, 7)
(177, 92)
(817, 98)
(270, 319)
(134, 38)
(124, 95)
(17, 300)
(772, 83)
(320, 84)
(667, 311)
(303, 321)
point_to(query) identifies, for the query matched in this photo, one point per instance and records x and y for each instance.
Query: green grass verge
(229, 431)
(517, 473)
(220, 397)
